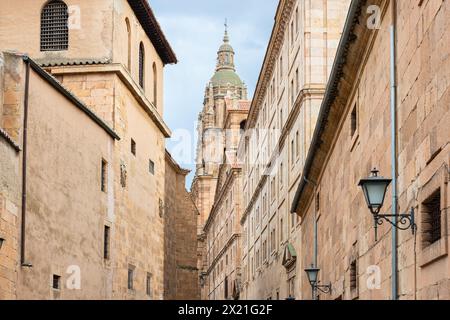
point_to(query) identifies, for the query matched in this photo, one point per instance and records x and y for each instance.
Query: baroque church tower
(224, 93)
(225, 85)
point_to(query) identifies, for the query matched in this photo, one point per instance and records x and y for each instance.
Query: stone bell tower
(224, 84)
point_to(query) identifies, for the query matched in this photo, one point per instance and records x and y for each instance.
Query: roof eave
(146, 17)
(330, 94)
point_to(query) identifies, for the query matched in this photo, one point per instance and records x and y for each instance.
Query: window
(281, 176)
(281, 68)
(56, 283)
(106, 243)
(354, 275)
(54, 26)
(281, 231)
(291, 285)
(151, 167)
(131, 270)
(281, 118)
(292, 92)
(292, 33)
(148, 285)
(104, 175)
(133, 147)
(317, 202)
(292, 217)
(226, 288)
(141, 65)
(292, 153)
(272, 189)
(354, 121)
(155, 85)
(297, 81)
(127, 22)
(297, 145)
(432, 219)
(273, 89)
(258, 261)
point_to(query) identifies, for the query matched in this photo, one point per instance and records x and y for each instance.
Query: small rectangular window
(56, 282)
(149, 285)
(353, 275)
(131, 270)
(281, 176)
(354, 121)
(104, 175)
(292, 153)
(317, 201)
(151, 167)
(292, 92)
(292, 33)
(432, 219)
(106, 243)
(281, 231)
(133, 147)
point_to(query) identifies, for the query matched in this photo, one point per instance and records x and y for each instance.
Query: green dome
(224, 77)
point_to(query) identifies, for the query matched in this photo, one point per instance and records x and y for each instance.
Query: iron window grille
(432, 210)
(54, 26)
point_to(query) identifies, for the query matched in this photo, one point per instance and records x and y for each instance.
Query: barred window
(54, 27)
(354, 275)
(432, 219)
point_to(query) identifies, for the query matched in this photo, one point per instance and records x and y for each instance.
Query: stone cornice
(230, 112)
(227, 184)
(252, 201)
(126, 78)
(221, 252)
(282, 16)
(311, 91)
(308, 92)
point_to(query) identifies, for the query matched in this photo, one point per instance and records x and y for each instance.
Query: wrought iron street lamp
(313, 274)
(374, 189)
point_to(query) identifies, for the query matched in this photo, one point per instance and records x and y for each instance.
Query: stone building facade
(353, 135)
(279, 129)
(53, 203)
(222, 273)
(215, 185)
(180, 236)
(96, 159)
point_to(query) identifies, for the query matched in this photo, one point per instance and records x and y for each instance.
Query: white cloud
(195, 30)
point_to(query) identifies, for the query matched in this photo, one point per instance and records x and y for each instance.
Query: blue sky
(195, 30)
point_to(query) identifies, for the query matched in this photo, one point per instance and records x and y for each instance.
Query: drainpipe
(315, 246)
(24, 164)
(394, 168)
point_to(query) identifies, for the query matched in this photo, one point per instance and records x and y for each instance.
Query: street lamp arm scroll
(324, 288)
(401, 221)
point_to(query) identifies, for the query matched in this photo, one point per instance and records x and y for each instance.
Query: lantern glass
(312, 274)
(374, 189)
(375, 193)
